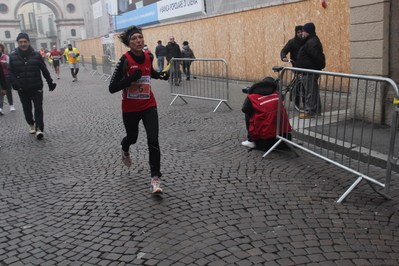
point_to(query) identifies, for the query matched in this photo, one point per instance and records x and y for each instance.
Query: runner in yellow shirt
(72, 54)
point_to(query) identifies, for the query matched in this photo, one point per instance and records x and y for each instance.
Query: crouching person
(261, 112)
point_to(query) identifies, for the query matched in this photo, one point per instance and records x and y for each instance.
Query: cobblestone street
(69, 200)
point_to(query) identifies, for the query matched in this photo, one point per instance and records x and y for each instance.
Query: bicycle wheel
(297, 94)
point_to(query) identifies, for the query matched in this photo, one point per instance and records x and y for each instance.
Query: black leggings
(150, 120)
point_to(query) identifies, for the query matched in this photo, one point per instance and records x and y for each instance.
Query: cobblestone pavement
(69, 200)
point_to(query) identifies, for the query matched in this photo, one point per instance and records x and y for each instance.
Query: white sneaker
(156, 186)
(32, 129)
(12, 108)
(39, 134)
(248, 144)
(1, 111)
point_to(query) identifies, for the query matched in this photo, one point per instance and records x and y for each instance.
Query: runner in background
(56, 56)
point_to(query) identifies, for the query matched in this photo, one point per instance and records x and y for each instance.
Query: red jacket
(263, 121)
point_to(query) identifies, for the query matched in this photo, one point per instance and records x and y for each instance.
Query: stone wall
(374, 39)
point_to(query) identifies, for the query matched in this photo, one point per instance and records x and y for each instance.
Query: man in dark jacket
(292, 46)
(160, 52)
(173, 51)
(25, 69)
(311, 56)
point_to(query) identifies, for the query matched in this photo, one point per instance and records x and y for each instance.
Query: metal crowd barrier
(208, 80)
(107, 64)
(344, 134)
(93, 70)
(82, 62)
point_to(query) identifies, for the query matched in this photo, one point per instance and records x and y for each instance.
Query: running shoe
(126, 159)
(156, 186)
(1, 110)
(12, 108)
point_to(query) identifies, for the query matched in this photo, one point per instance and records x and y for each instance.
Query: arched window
(73, 32)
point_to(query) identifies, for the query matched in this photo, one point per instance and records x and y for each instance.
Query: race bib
(140, 89)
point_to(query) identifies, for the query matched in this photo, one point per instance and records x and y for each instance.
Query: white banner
(168, 9)
(97, 10)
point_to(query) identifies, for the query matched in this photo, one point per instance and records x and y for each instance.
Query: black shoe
(188, 78)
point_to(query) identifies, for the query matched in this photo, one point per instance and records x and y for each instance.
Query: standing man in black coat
(173, 51)
(292, 46)
(25, 69)
(311, 56)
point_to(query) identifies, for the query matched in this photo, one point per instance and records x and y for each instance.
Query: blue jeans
(161, 62)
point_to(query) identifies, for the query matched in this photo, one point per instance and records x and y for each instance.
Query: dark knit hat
(185, 43)
(23, 35)
(270, 82)
(299, 27)
(309, 28)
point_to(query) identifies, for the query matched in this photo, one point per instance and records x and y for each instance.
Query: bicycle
(295, 88)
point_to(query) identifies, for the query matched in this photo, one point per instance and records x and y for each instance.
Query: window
(21, 21)
(73, 32)
(3, 8)
(70, 8)
(40, 25)
(32, 23)
(8, 34)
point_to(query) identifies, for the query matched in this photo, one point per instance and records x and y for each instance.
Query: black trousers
(150, 121)
(36, 97)
(312, 96)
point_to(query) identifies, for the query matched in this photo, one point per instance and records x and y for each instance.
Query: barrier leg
(220, 104)
(177, 96)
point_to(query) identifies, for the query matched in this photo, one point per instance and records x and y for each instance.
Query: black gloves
(134, 76)
(51, 86)
(163, 75)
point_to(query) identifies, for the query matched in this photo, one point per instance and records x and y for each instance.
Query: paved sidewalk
(69, 200)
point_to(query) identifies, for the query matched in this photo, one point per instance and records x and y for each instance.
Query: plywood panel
(251, 41)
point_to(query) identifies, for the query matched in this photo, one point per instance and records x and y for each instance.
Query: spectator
(261, 112)
(173, 51)
(25, 69)
(72, 55)
(3, 90)
(133, 75)
(186, 52)
(311, 56)
(7, 90)
(160, 52)
(292, 47)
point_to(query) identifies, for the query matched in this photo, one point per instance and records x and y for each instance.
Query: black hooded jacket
(311, 54)
(24, 70)
(292, 47)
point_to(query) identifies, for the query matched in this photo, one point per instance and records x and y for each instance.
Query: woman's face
(136, 43)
